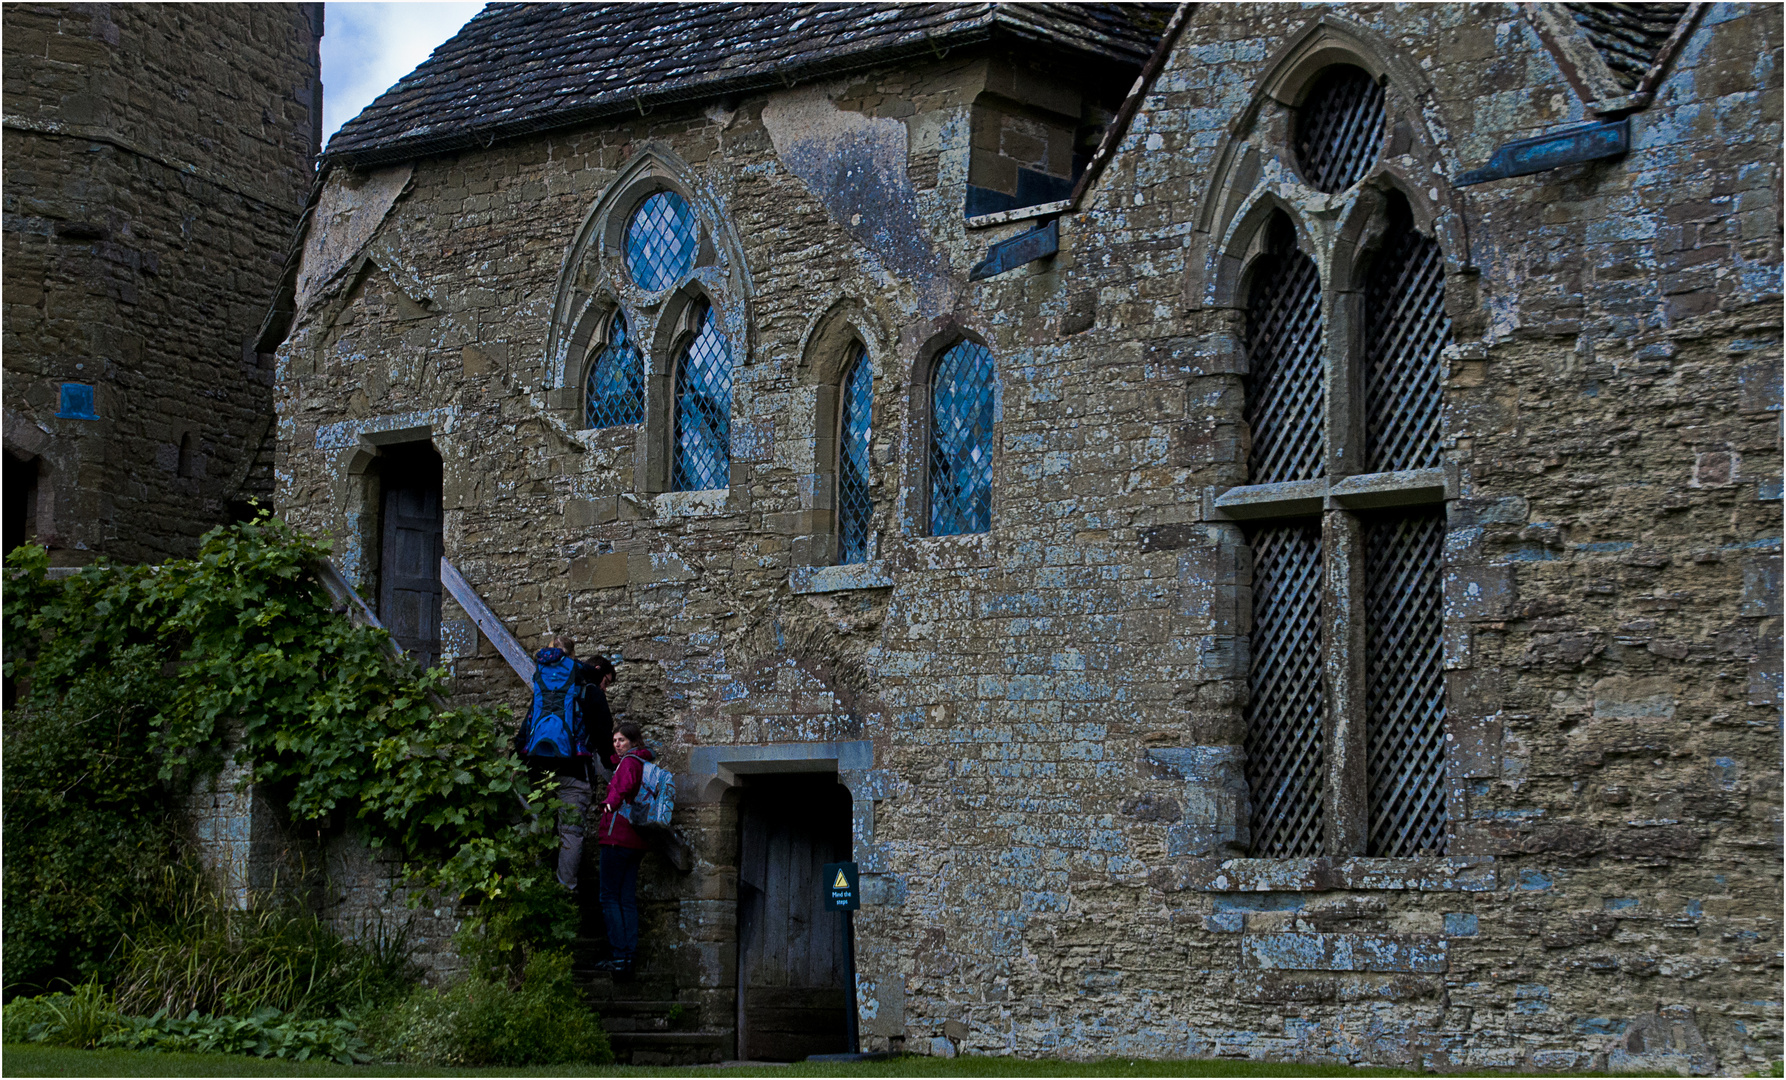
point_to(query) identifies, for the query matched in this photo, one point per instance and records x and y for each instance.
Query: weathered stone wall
(157, 159)
(1051, 821)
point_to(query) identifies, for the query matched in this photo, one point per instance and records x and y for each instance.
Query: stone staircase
(646, 1023)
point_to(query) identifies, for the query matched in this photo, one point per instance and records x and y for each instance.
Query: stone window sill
(691, 504)
(824, 579)
(1458, 873)
(1368, 491)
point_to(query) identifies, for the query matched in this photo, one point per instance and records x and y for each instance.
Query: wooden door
(792, 984)
(409, 559)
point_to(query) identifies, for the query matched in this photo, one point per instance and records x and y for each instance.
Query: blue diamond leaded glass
(614, 393)
(961, 442)
(855, 509)
(660, 241)
(703, 435)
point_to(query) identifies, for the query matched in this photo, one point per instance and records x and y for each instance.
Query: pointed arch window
(855, 508)
(614, 390)
(960, 456)
(702, 439)
(1286, 390)
(1345, 757)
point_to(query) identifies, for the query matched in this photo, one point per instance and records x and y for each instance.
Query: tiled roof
(520, 68)
(1627, 35)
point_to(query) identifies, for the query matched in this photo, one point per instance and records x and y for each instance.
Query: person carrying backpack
(622, 849)
(554, 741)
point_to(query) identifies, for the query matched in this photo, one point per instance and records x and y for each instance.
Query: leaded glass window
(1285, 400)
(1405, 330)
(703, 435)
(1339, 128)
(855, 510)
(614, 391)
(960, 459)
(661, 241)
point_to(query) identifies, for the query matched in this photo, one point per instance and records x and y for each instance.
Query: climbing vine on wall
(241, 639)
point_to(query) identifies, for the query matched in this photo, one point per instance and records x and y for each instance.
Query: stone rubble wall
(157, 159)
(1049, 827)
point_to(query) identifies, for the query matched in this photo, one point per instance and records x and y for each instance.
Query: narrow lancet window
(1286, 702)
(703, 435)
(1405, 681)
(1405, 332)
(855, 510)
(960, 459)
(1285, 392)
(614, 392)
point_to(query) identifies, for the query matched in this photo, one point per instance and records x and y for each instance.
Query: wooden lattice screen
(1339, 128)
(1406, 329)
(1285, 703)
(1405, 683)
(1284, 393)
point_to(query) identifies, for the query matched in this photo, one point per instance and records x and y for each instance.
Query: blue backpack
(555, 729)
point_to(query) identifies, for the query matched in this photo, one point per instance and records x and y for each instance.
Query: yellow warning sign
(841, 882)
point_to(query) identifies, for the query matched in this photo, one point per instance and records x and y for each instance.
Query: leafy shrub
(81, 1019)
(266, 1033)
(211, 958)
(485, 1021)
(89, 827)
(242, 634)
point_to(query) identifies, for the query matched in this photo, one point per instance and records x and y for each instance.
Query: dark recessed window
(1285, 391)
(1286, 768)
(1405, 332)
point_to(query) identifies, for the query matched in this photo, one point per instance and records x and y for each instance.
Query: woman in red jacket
(622, 848)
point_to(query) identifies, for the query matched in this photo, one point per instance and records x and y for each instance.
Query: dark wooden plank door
(793, 986)
(409, 561)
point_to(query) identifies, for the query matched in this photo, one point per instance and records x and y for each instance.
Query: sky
(367, 47)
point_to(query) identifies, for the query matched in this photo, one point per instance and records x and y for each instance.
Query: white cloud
(368, 47)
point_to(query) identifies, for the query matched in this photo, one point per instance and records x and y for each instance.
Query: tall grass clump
(212, 958)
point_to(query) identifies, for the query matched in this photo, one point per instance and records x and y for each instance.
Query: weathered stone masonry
(157, 159)
(1044, 723)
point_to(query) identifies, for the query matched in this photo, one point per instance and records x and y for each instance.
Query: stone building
(158, 157)
(1249, 557)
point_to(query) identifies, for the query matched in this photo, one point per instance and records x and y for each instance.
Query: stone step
(669, 1047)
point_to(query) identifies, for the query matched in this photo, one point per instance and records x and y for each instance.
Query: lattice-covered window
(1405, 330)
(960, 458)
(855, 509)
(1339, 128)
(1285, 389)
(614, 390)
(1286, 771)
(702, 439)
(662, 241)
(1405, 682)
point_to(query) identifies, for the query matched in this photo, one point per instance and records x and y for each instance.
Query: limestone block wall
(1052, 823)
(157, 160)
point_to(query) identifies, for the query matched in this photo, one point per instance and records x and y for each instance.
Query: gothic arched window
(960, 457)
(702, 439)
(1405, 329)
(1286, 390)
(855, 509)
(614, 390)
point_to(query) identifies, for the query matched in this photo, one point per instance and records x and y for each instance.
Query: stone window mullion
(1343, 670)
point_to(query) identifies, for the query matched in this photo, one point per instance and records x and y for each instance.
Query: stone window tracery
(855, 507)
(960, 453)
(702, 440)
(1344, 504)
(661, 241)
(614, 390)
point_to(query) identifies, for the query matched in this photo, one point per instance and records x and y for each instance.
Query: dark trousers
(620, 899)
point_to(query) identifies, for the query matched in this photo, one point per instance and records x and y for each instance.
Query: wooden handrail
(486, 621)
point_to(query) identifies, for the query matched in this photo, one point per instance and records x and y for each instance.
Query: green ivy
(242, 639)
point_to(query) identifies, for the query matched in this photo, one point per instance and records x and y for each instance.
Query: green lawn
(36, 1060)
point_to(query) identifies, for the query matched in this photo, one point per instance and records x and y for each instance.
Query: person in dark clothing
(594, 678)
(622, 850)
(575, 784)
